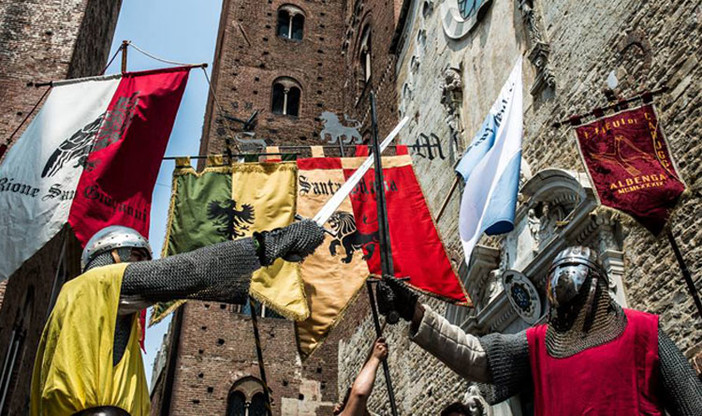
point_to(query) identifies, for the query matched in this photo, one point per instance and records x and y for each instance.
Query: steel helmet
(569, 271)
(110, 238)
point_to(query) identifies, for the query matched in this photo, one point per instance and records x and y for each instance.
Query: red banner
(121, 169)
(417, 249)
(629, 163)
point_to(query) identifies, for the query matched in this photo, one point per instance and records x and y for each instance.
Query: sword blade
(335, 201)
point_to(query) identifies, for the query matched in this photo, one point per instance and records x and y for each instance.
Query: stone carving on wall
(451, 86)
(476, 403)
(540, 49)
(336, 130)
(551, 216)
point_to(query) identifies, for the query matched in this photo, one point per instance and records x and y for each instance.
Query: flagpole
(385, 249)
(685, 272)
(259, 354)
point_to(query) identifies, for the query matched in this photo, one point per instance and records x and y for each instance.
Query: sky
(182, 31)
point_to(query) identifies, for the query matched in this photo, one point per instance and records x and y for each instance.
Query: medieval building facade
(452, 59)
(442, 63)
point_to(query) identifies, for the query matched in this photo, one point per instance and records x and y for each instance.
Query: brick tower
(282, 59)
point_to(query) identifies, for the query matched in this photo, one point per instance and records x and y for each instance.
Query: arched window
(246, 398)
(286, 96)
(291, 22)
(258, 405)
(364, 56)
(236, 404)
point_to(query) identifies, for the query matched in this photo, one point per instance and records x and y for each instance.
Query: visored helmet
(110, 238)
(569, 272)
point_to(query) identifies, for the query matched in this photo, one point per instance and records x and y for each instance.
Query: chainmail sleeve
(508, 364)
(682, 389)
(220, 272)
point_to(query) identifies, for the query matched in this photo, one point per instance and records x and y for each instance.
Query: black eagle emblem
(75, 147)
(230, 222)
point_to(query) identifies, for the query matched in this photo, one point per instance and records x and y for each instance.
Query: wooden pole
(125, 45)
(447, 199)
(685, 272)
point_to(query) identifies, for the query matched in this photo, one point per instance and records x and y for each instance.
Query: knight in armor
(592, 357)
(88, 362)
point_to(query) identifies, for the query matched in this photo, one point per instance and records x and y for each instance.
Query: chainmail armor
(292, 243)
(508, 364)
(682, 389)
(105, 258)
(608, 322)
(219, 272)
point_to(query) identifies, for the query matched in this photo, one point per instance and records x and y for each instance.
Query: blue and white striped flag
(491, 166)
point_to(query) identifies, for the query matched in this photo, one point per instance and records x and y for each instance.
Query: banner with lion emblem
(335, 273)
(417, 249)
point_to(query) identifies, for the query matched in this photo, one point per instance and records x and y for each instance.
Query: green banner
(200, 214)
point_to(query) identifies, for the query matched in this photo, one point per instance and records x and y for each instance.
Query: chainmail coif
(608, 322)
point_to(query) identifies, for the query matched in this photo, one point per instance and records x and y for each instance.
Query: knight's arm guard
(220, 272)
(681, 387)
(508, 364)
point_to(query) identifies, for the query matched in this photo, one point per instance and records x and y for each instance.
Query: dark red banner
(116, 185)
(630, 165)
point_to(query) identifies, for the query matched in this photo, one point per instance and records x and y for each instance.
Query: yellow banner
(336, 271)
(269, 189)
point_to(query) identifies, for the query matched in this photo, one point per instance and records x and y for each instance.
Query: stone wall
(644, 44)
(42, 41)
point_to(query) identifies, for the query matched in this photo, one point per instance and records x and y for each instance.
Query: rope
(152, 56)
(111, 59)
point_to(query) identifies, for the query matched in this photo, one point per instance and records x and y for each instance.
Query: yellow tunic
(73, 368)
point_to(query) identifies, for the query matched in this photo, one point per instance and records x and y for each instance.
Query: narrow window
(285, 97)
(291, 22)
(365, 54)
(236, 404)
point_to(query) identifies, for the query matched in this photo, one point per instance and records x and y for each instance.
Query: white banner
(40, 174)
(491, 165)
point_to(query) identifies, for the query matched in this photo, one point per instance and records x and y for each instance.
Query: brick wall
(646, 44)
(216, 349)
(42, 41)
(250, 57)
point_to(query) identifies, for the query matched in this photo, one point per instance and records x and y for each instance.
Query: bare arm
(363, 386)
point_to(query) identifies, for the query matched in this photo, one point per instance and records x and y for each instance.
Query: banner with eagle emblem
(337, 270)
(90, 158)
(197, 215)
(226, 202)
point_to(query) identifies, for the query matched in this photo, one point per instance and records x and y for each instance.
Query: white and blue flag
(490, 167)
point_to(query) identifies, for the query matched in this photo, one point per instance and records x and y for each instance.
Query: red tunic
(617, 378)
